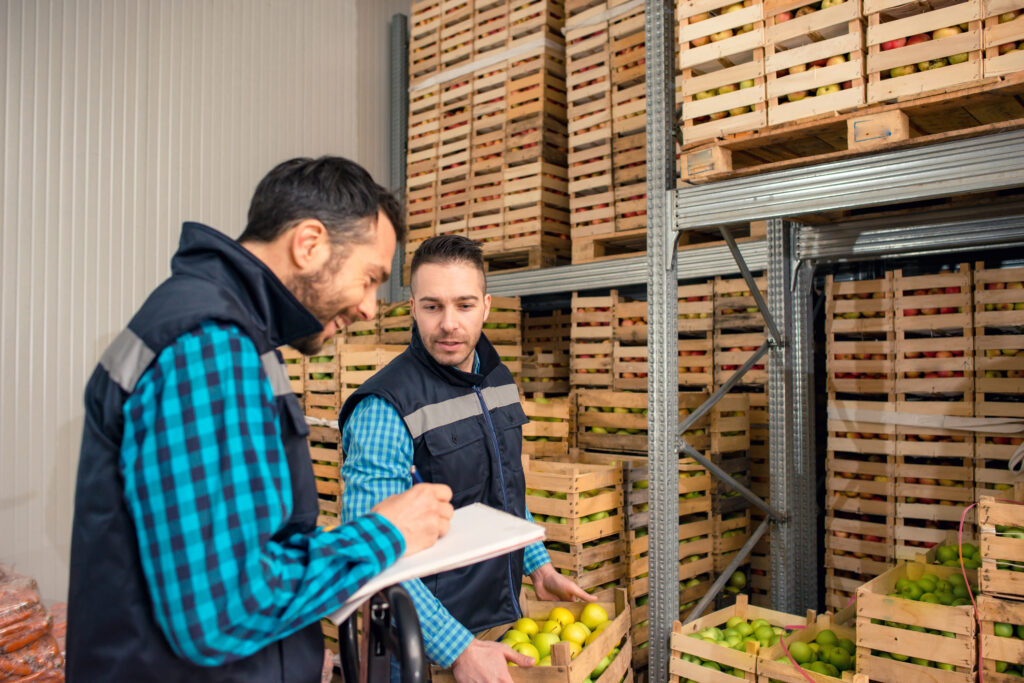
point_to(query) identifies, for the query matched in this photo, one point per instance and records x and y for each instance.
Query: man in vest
(195, 555)
(450, 407)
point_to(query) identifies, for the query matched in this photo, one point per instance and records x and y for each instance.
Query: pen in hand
(416, 478)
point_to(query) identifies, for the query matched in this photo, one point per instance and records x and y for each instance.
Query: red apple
(892, 44)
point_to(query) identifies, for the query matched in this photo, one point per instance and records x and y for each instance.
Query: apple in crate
(941, 33)
(827, 89)
(703, 40)
(895, 73)
(783, 16)
(893, 44)
(721, 35)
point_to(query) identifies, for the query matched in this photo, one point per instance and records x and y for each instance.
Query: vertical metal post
(662, 280)
(784, 569)
(804, 505)
(398, 41)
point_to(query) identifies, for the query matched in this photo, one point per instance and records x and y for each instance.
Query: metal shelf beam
(980, 164)
(693, 263)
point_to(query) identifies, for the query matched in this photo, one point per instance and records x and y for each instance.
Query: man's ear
(487, 306)
(412, 307)
(309, 245)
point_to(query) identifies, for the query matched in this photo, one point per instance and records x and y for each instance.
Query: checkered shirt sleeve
(208, 486)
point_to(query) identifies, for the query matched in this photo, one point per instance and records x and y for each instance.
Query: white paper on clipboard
(477, 533)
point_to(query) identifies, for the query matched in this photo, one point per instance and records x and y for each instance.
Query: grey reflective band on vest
(276, 373)
(455, 409)
(499, 397)
(126, 359)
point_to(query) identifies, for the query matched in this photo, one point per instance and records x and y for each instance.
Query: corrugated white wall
(120, 119)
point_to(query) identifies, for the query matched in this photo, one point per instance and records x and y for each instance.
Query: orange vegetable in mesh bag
(28, 650)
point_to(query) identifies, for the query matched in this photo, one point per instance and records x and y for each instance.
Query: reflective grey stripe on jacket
(459, 408)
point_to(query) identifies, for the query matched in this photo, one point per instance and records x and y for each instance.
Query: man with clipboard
(449, 407)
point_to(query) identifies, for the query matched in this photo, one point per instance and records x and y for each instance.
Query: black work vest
(112, 632)
(467, 433)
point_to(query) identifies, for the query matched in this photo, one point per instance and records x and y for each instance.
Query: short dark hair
(338, 192)
(446, 249)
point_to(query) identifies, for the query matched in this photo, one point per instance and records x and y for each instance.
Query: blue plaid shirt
(208, 486)
(378, 455)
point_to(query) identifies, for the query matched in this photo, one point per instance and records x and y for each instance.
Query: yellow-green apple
(895, 73)
(958, 58)
(827, 89)
(838, 59)
(702, 40)
(945, 32)
(721, 35)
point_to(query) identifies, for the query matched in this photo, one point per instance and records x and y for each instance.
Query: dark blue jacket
(467, 433)
(112, 632)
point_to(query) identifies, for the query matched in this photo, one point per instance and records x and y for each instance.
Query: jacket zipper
(501, 480)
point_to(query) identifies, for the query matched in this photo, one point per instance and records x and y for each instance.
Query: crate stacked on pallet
(739, 331)
(616, 421)
(629, 121)
(322, 397)
(860, 485)
(325, 452)
(580, 507)
(548, 433)
(629, 351)
(487, 157)
(396, 323)
(920, 47)
(1001, 639)
(546, 353)
(695, 541)
(1001, 525)
(456, 33)
(588, 86)
(814, 58)
(453, 177)
(359, 362)
(695, 325)
(490, 26)
(935, 376)
(1001, 37)
(903, 638)
(722, 68)
(504, 329)
(591, 345)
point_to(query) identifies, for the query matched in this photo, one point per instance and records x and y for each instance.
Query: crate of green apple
(547, 433)
(1001, 639)
(918, 47)
(823, 651)
(724, 645)
(1001, 525)
(1002, 37)
(396, 323)
(814, 58)
(571, 642)
(721, 60)
(617, 420)
(576, 502)
(915, 622)
(999, 340)
(992, 473)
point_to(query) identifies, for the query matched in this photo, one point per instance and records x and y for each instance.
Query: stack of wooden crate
(487, 130)
(860, 497)
(295, 366)
(934, 375)
(546, 353)
(999, 370)
(1002, 603)
(549, 432)
(591, 341)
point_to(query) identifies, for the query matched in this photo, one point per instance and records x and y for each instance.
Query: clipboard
(477, 532)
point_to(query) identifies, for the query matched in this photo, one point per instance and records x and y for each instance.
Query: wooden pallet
(987, 106)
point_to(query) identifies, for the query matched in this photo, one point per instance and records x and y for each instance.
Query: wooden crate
(629, 321)
(326, 455)
(730, 426)
(732, 350)
(860, 338)
(412, 242)
(731, 532)
(735, 307)
(894, 20)
(630, 365)
(358, 363)
(934, 483)
(934, 342)
(545, 372)
(547, 433)
(294, 364)
(770, 669)
(681, 643)
(999, 36)
(875, 602)
(999, 341)
(995, 648)
(534, 18)
(574, 479)
(564, 669)
(546, 332)
(723, 81)
(617, 420)
(490, 26)
(814, 62)
(694, 491)
(504, 325)
(591, 346)
(628, 60)
(696, 307)
(1001, 554)
(456, 32)
(992, 474)
(363, 332)
(396, 323)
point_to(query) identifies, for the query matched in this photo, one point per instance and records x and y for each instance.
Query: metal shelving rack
(968, 166)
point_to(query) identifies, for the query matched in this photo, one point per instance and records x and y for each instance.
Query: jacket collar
(489, 361)
(211, 255)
